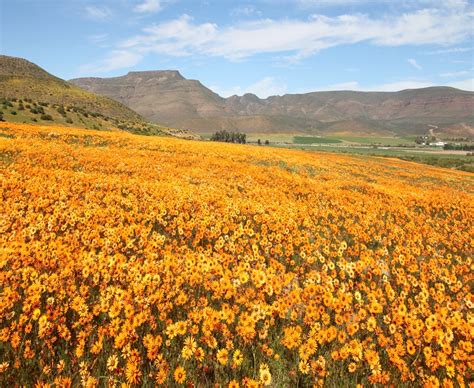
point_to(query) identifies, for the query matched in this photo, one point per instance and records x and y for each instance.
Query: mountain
(31, 94)
(158, 95)
(22, 79)
(168, 97)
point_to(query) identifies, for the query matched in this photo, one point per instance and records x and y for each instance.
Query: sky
(265, 47)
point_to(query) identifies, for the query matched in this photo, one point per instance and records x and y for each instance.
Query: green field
(389, 141)
(315, 140)
(298, 138)
(440, 159)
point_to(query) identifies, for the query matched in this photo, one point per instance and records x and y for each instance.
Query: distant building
(438, 144)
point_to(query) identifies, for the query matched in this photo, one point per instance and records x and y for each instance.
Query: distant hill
(29, 93)
(168, 97)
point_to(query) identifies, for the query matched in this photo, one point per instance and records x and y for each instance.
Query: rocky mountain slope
(29, 93)
(168, 97)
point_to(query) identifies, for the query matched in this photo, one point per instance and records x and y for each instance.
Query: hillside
(168, 97)
(22, 79)
(157, 261)
(29, 93)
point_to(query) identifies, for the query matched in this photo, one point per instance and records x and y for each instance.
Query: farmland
(151, 260)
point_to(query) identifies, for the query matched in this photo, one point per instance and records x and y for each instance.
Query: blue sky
(264, 47)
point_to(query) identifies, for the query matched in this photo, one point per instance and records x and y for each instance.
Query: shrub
(46, 117)
(61, 110)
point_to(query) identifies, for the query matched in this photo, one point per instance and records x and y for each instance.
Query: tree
(229, 137)
(259, 142)
(267, 142)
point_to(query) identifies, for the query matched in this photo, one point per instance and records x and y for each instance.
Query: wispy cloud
(301, 38)
(263, 88)
(467, 84)
(98, 39)
(450, 50)
(455, 74)
(98, 13)
(117, 59)
(148, 6)
(245, 10)
(414, 63)
(335, 3)
(296, 39)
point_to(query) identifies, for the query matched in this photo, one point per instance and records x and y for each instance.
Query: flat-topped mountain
(29, 93)
(160, 96)
(168, 97)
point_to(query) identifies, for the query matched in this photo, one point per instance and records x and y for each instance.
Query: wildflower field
(146, 261)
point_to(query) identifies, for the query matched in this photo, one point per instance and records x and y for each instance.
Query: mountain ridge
(22, 79)
(31, 94)
(167, 96)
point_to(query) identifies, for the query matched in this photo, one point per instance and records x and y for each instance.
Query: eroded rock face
(167, 97)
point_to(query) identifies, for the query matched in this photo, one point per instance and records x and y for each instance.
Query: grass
(56, 91)
(298, 138)
(77, 117)
(315, 140)
(389, 141)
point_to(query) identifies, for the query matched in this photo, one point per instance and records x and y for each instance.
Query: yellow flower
(265, 376)
(179, 375)
(112, 363)
(223, 356)
(36, 314)
(238, 357)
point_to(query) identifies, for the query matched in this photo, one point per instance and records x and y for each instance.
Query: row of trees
(229, 137)
(234, 137)
(460, 147)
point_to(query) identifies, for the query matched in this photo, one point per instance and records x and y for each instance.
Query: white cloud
(450, 50)
(117, 59)
(245, 10)
(335, 3)
(295, 39)
(351, 85)
(148, 6)
(301, 38)
(399, 85)
(395, 86)
(97, 13)
(98, 39)
(467, 84)
(385, 87)
(414, 63)
(270, 86)
(267, 86)
(454, 74)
